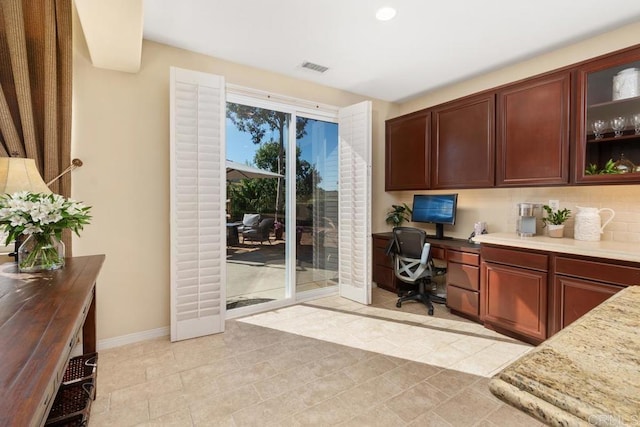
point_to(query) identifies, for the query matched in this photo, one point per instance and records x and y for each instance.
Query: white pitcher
(587, 223)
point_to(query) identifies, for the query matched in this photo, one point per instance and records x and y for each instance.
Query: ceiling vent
(314, 67)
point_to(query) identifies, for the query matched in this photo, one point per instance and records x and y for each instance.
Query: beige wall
(498, 206)
(121, 133)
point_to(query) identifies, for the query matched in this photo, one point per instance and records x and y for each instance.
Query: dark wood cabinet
(575, 297)
(532, 144)
(463, 283)
(536, 132)
(600, 96)
(580, 284)
(383, 274)
(513, 285)
(463, 143)
(407, 155)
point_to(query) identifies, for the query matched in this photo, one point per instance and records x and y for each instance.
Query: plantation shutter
(198, 189)
(354, 189)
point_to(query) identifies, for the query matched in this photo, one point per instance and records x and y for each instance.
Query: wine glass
(598, 127)
(636, 122)
(617, 124)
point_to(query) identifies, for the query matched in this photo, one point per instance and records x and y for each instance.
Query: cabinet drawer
(379, 242)
(463, 275)
(516, 258)
(463, 300)
(594, 270)
(380, 258)
(463, 257)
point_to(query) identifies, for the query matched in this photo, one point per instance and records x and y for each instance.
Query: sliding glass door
(316, 205)
(257, 140)
(278, 250)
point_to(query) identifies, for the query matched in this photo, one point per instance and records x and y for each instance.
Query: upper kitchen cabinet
(608, 119)
(407, 152)
(532, 142)
(463, 143)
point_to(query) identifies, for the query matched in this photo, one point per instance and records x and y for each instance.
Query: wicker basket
(81, 367)
(74, 421)
(72, 400)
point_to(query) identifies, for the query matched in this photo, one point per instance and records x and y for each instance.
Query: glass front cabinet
(608, 120)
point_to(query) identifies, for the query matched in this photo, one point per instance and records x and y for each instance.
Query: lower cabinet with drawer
(383, 264)
(513, 285)
(463, 283)
(580, 284)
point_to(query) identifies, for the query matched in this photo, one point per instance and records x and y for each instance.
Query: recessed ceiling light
(385, 13)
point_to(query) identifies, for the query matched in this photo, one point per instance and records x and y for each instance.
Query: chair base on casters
(422, 296)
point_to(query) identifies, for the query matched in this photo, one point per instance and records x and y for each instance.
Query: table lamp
(18, 174)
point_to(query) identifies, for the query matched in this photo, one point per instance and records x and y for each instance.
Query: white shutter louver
(198, 191)
(355, 202)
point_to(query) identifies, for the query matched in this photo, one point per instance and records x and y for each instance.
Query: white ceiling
(428, 45)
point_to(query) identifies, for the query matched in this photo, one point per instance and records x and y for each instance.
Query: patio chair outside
(260, 233)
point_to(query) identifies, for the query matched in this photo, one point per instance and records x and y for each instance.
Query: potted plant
(555, 220)
(398, 214)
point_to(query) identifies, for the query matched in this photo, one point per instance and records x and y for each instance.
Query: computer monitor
(438, 209)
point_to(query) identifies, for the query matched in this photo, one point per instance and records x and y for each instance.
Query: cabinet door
(463, 143)
(407, 152)
(532, 146)
(607, 89)
(575, 297)
(515, 299)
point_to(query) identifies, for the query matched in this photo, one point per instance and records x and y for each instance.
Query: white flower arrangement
(40, 217)
(38, 213)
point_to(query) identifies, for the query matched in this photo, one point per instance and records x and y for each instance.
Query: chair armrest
(425, 253)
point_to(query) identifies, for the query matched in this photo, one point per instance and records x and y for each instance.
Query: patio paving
(257, 271)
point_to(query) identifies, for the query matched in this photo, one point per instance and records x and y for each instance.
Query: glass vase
(40, 252)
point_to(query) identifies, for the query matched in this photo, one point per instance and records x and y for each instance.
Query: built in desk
(42, 317)
(462, 260)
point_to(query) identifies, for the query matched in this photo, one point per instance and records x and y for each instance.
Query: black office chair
(413, 265)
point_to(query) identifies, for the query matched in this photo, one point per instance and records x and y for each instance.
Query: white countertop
(623, 251)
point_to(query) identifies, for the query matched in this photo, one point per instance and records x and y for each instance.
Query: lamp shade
(18, 174)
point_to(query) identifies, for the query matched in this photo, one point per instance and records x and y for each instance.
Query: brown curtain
(35, 86)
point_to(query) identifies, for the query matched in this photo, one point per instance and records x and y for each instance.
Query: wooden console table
(42, 316)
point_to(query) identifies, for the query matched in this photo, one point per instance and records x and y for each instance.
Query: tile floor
(326, 362)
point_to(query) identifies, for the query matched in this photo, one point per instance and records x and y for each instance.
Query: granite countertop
(586, 374)
(623, 251)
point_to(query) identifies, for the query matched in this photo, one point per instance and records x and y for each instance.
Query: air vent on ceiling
(314, 67)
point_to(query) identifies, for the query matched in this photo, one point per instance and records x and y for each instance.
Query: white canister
(588, 223)
(626, 84)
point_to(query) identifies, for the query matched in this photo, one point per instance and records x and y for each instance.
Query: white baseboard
(133, 338)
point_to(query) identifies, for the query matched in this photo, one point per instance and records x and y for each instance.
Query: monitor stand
(439, 233)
